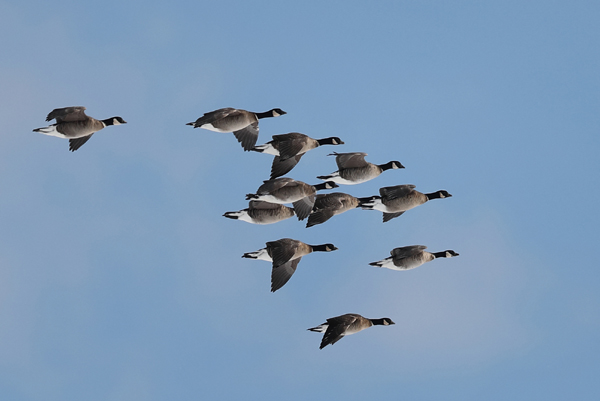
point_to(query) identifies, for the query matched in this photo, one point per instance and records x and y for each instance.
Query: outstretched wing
(282, 274)
(398, 191)
(247, 136)
(76, 143)
(66, 114)
(282, 250)
(304, 206)
(290, 144)
(407, 251)
(282, 167)
(350, 160)
(336, 328)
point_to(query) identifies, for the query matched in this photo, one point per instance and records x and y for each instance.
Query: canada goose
(289, 148)
(285, 254)
(74, 124)
(329, 205)
(409, 257)
(337, 327)
(354, 169)
(260, 212)
(287, 190)
(396, 200)
(243, 124)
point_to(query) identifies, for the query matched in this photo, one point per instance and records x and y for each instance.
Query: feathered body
(285, 254)
(337, 327)
(329, 205)
(394, 201)
(289, 148)
(243, 123)
(259, 212)
(72, 123)
(409, 257)
(287, 190)
(354, 169)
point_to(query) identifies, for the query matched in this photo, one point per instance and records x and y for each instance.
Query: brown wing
(304, 206)
(282, 274)
(407, 251)
(282, 167)
(76, 143)
(282, 250)
(270, 186)
(350, 160)
(398, 191)
(290, 144)
(66, 114)
(336, 328)
(247, 136)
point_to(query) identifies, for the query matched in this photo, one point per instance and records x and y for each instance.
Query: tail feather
(49, 130)
(322, 328)
(368, 202)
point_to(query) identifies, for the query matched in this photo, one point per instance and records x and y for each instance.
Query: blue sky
(120, 279)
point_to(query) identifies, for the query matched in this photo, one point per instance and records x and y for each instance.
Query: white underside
(211, 128)
(272, 199)
(261, 254)
(335, 177)
(322, 328)
(268, 149)
(376, 204)
(388, 263)
(51, 131)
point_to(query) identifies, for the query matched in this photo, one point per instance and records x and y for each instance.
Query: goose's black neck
(439, 254)
(329, 141)
(437, 195)
(390, 165)
(325, 185)
(377, 322)
(270, 113)
(321, 248)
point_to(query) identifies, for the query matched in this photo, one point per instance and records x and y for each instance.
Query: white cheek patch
(116, 122)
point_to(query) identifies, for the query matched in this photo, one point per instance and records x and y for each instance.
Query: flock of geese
(268, 204)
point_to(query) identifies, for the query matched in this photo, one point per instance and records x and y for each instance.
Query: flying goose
(337, 327)
(259, 212)
(329, 205)
(409, 257)
(354, 169)
(243, 124)
(289, 148)
(287, 190)
(285, 254)
(397, 199)
(74, 124)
